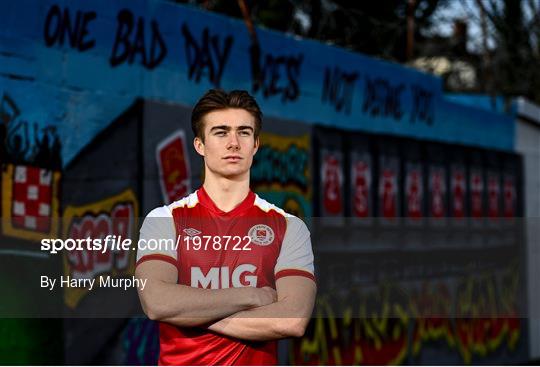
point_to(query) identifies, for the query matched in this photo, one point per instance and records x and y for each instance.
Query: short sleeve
(157, 237)
(296, 255)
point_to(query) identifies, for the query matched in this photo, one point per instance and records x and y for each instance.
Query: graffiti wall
(410, 197)
(79, 55)
(395, 284)
(282, 168)
(382, 325)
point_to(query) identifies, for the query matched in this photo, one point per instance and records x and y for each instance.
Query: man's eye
(245, 133)
(220, 133)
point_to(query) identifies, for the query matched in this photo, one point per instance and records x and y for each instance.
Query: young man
(242, 275)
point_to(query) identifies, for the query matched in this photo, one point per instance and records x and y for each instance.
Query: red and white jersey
(254, 244)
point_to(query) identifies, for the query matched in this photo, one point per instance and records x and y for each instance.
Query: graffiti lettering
(383, 326)
(269, 76)
(383, 99)
(208, 55)
(338, 88)
(494, 191)
(476, 181)
(388, 191)
(437, 192)
(281, 174)
(58, 24)
(286, 167)
(423, 109)
(361, 187)
(377, 336)
(458, 191)
(115, 215)
(414, 191)
(130, 42)
(332, 182)
(486, 318)
(431, 309)
(87, 263)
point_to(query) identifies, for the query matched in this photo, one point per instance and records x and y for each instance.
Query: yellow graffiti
(373, 337)
(484, 320)
(431, 310)
(282, 143)
(72, 295)
(293, 207)
(476, 319)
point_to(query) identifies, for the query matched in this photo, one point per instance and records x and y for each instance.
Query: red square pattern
(32, 198)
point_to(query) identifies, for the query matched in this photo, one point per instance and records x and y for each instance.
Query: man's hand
(265, 296)
(288, 317)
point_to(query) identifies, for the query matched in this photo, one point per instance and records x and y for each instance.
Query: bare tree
(515, 30)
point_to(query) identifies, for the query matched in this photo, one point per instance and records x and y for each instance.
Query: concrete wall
(528, 144)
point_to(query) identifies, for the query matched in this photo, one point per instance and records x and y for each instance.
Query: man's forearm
(259, 324)
(186, 306)
(243, 325)
(288, 317)
(164, 300)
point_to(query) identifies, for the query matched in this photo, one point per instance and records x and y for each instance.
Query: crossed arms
(245, 313)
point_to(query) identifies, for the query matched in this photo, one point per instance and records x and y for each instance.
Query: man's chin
(233, 174)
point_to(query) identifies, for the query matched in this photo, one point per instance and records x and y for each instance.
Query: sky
(468, 11)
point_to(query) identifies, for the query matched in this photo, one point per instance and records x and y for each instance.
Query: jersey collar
(206, 201)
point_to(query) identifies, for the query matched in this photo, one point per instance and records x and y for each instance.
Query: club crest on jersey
(261, 234)
(191, 232)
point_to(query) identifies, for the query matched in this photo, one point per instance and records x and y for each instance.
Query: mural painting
(281, 174)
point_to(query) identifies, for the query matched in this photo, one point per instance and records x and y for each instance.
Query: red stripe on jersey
(294, 272)
(160, 257)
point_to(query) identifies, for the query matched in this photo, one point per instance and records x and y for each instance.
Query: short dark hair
(218, 99)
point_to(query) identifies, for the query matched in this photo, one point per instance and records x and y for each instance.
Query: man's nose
(233, 141)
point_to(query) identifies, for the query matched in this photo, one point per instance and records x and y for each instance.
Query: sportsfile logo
(212, 278)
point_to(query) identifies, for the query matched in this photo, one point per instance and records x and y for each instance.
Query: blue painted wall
(78, 64)
(496, 104)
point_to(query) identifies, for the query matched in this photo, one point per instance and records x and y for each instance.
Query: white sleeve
(157, 238)
(296, 255)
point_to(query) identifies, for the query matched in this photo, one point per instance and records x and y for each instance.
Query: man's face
(229, 142)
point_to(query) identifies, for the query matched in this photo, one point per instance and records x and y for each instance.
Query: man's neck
(225, 193)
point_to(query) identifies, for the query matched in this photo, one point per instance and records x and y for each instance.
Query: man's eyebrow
(228, 128)
(221, 127)
(245, 127)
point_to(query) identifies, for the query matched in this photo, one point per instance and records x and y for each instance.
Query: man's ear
(257, 143)
(199, 146)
